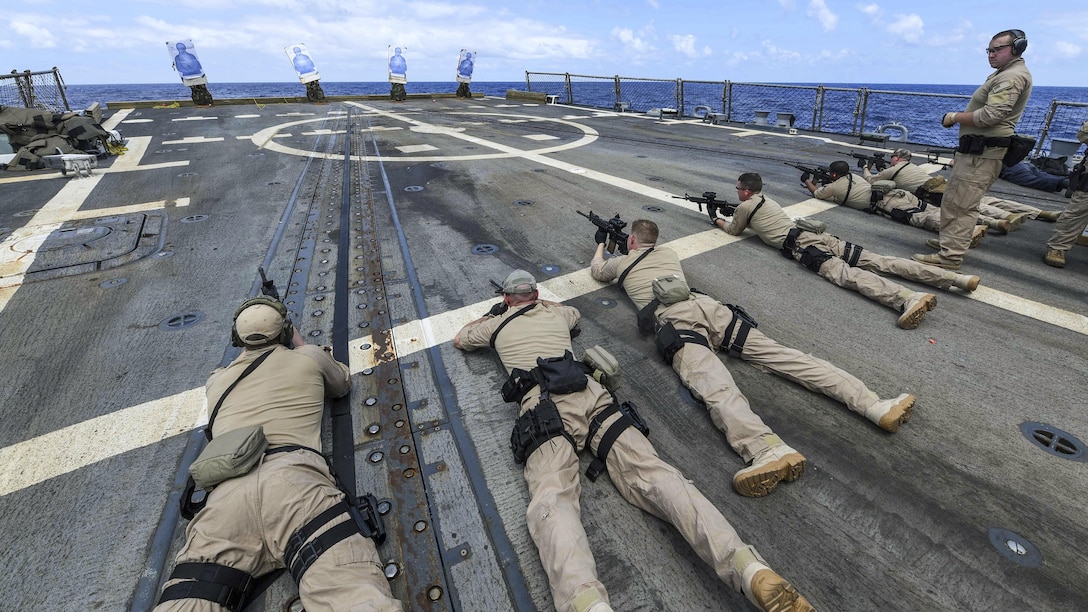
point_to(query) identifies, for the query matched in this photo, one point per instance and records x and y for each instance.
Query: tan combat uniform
(551, 471)
(1074, 219)
(851, 190)
(991, 212)
(711, 318)
(248, 520)
(904, 174)
(996, 106)
(772, 225)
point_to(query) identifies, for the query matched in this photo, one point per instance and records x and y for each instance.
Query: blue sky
(824, 41)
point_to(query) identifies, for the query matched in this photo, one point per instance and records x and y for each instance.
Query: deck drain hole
(113, 282)
(186, 174)
(653, 179)
(181, 321)
(540, 170)
(1015, 548)
(26, 213)
(550, 269)
(485, 249)
(439, 165)
(1054, 441)
(523, 202)
(256, 154)
(413, 188)
(652, 208)
(194, 218)
(607, 302)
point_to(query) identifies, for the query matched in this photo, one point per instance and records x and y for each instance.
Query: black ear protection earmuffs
(1019, 42)
(286, 332)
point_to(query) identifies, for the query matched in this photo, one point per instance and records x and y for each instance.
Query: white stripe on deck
(76, 446)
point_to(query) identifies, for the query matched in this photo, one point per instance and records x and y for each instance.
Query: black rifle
(875, 160)
(268, 288)
(617, 238)
(713, 204)
(820, 173)
(933, 156)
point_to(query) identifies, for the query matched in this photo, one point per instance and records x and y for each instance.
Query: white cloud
(789, 5)
(632, 42)
(817, 9)
(36, 36)
(1067, 50)
(685, 44)
(871, 10)
(781, 55)
(907, 27)
(654, 4)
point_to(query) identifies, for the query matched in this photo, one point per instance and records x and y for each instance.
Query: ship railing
(907, 116)
(42, 90)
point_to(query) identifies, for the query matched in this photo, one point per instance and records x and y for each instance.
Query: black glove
(805, 178)
(600, 237)
(498, 309)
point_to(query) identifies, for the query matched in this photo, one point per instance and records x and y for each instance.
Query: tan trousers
(1071, 223)
(248, 521)
(642, 478)
(863, 277)
(971, 177)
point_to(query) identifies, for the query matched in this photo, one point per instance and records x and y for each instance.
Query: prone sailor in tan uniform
(1074, 219)
(840, 262)
(905, 200)
(987, 129)
(287, 507)
(563, 410)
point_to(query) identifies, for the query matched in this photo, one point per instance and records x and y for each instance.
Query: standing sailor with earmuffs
(285, 510)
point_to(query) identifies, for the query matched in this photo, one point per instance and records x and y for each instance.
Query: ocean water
(839, 108)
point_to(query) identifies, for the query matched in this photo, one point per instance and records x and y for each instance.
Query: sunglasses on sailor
(995, 50)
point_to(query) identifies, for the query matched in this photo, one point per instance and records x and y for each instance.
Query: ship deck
(117, 292)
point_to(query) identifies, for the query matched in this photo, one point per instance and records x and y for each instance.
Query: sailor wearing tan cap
(563, 409)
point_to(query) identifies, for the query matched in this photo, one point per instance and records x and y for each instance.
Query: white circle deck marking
(263, 139)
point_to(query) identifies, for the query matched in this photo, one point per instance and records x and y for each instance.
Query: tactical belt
(745, 322)
(790, 243)
(629, 417)
(301, 554)
(212, 582)
(670, 340)
(851, 254)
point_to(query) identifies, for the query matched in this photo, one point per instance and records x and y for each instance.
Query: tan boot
(967, 282)
(764, 587)
(935, 259)
(916, 308)
(890, 414)
(590, 600)
(1049, 215)
(999, 226)
(770, 466)
(1016, 220)
(977, 236)
(1054, 258)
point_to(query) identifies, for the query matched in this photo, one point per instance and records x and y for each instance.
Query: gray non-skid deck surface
(879, 521)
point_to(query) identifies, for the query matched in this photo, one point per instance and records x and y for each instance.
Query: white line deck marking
(193, 140)
(195, 119)
(65, 450)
